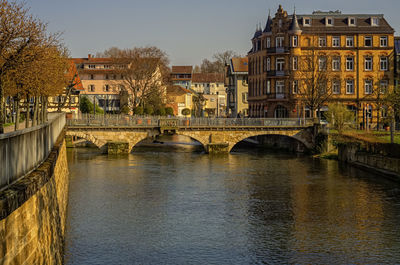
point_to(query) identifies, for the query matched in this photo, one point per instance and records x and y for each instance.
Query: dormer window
(352, 21)
(329, 21)
(374, 21)
(307, 21)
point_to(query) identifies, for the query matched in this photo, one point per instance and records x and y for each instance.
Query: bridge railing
(158, 121)
(23, 150)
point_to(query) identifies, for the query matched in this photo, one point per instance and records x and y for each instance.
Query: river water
(171, 204)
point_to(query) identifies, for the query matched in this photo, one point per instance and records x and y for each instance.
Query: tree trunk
(35, 111)
(392, 128)
(17, 100)
(2, 109)
(378, 118)
(28, 115)
(44, 108)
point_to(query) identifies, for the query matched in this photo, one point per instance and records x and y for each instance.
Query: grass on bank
(369, 136)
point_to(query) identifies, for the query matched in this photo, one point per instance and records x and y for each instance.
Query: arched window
(281, 112)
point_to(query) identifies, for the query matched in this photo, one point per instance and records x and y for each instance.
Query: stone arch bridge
(216, 135)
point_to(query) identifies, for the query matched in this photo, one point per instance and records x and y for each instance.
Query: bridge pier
(217, 148)
(118, 148)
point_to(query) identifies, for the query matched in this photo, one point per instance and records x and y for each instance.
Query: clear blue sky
(188, 30)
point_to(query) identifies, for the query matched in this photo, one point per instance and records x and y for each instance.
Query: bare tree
(315, 85)
(217, 65)
(144, 74)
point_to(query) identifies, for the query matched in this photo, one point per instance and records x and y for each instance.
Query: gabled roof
(182, 69)
(340, 23)
(176, 90)
(268, 27)
(239, 65)
(92, 60)
(208, 78)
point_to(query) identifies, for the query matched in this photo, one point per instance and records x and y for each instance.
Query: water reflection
(252, 207)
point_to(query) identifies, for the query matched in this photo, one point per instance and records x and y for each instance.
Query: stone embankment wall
(382, 158)
(33, 213)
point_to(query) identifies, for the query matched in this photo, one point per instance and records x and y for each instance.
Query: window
(336, 63)
(279, 64)
(295, 86)
(306, 21)
(92, 66)
(336, 87)
(351, 21)
(244, 97)
(295, 41)
(383, 86)
(368, 86)
(279, 42)
(368, 41)
(91, 77)
(368, 63)
(322, 63)
(107, 66)
(374, 21)
(106, 88)
(336, 41)
(349, 41)
(322, 42)
(350, 86)
(295, 62)
(280, 23)
(107, 77)
(329, 21)
(268, 64)
(268, 42)
(349, 63)
(280, 87)
(91, 88)
(383, 41)
(268, 87)
(368, 111)
(384, 63)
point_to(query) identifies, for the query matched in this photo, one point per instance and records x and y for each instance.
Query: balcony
(278, 50)
(275, 73)
(279, 95)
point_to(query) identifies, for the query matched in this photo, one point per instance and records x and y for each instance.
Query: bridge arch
(300, 136)
(89, 137)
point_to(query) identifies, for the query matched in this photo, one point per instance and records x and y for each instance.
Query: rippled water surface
(171, 205)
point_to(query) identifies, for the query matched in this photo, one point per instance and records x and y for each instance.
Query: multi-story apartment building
(100, 82)
(182, 76)
(354, 51)
(237, 87)
(212, 86)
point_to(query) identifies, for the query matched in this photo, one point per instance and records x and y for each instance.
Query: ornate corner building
(354, 50)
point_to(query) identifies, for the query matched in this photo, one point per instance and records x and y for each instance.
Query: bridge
(216, 135)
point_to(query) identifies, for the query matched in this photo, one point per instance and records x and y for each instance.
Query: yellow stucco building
(347, 56)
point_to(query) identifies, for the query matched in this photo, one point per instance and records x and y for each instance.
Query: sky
(187, 30)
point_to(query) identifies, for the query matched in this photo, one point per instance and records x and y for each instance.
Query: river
(172, 204)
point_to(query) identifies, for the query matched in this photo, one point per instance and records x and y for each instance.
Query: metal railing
(159, 121)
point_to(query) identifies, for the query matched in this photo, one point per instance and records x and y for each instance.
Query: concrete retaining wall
(371, 156)
(23, 150)
(33, 213)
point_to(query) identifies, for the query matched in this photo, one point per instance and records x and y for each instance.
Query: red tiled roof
(208, 78)
(240, 64)
(182, 69)
(177, 90)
